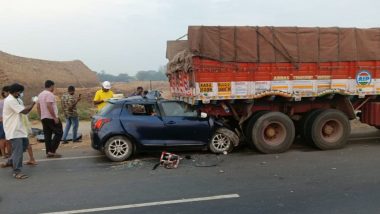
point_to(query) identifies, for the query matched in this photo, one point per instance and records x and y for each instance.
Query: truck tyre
(273, 132)
(250, 124)
(223, 140)
(118, 148)
(330, 129)
(306, 122)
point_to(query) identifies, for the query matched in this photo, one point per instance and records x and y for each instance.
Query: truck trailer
(272, 84)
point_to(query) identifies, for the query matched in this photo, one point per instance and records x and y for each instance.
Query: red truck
(270, 84)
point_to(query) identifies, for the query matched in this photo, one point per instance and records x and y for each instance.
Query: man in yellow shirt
(103, 95)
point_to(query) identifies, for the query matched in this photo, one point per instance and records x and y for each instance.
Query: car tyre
(118, 148)
(223, 140)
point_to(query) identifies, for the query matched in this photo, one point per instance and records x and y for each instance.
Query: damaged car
(129, 125)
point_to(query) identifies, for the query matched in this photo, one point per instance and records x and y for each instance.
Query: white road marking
(189, 200)
(69, 158)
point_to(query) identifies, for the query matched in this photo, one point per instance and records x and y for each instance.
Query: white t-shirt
(12, 118)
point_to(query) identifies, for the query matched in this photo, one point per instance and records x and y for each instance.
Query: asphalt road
(302, 180)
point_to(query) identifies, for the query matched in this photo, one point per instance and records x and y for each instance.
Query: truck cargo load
(250, 62)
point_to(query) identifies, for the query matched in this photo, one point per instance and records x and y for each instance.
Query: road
(302, 180)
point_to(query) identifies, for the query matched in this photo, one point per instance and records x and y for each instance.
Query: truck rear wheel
(330, 129)
(305, 122)
(251, 123)
(273, 132)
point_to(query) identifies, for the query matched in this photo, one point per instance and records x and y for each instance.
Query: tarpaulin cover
(173, 47)
(284, 44)
(273, 44)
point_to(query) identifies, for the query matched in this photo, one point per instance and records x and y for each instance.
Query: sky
(126, 36)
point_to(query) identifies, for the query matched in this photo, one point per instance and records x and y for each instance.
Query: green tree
(151, 75)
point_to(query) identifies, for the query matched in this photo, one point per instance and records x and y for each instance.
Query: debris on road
(169, 160)
(128, 164)
(263, 163)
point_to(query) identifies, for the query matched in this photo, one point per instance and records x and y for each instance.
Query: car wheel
(223, 140)
(273, 132)
(330, 129)
(118, 148)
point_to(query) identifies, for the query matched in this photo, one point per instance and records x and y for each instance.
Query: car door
(143, 122)
(183, 125)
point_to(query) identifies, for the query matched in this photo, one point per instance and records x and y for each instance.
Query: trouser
(19, 146)
(71, 121)
(50, 127)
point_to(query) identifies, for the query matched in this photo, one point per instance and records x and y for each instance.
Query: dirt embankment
(32, 73)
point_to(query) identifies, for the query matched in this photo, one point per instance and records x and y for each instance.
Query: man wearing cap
(103, 95)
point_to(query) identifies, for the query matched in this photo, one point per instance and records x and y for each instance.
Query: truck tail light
(100, 123)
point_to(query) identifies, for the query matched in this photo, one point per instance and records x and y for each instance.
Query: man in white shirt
(15, 131)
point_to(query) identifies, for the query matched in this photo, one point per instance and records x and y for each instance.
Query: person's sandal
(31, 163)
(57, 156)
(50, 155)
(20, 176)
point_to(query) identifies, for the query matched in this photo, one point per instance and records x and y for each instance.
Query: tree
(151, 75)
(123, 77)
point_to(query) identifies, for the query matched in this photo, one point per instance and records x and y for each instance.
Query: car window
(143, 109)
(178, 109)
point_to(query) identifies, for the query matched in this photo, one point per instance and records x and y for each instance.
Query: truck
(272, 84)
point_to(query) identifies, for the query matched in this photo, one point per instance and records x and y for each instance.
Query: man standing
(139, 92)
(69, 105)
(103, 95)
(4, 147)
(48, 112)
(14, 129)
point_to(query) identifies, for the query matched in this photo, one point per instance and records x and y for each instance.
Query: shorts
(2, 133)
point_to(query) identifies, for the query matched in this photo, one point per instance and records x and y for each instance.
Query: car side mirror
(203, 115)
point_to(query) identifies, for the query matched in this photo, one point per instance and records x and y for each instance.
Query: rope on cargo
(288, 57)
(181, 37)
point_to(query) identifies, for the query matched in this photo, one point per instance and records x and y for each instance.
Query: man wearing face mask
(14, 128)
(48, 112)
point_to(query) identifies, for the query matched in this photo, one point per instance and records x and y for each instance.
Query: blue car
(141, 124)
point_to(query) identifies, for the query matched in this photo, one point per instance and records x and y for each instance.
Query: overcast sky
(130, 35)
